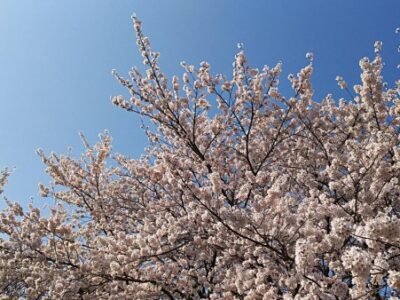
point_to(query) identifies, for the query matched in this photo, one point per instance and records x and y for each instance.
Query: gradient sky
(56, 58)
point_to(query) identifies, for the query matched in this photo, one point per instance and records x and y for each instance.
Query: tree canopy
(243, 193)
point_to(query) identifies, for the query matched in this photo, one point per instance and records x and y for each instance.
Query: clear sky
(56, 58)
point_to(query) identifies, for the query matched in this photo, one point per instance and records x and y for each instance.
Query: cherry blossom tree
(243, 193)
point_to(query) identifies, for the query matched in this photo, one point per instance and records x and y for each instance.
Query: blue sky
(56, 59)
